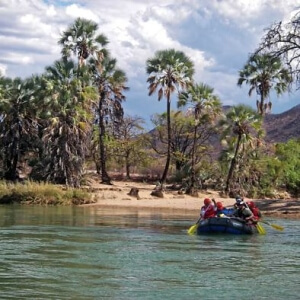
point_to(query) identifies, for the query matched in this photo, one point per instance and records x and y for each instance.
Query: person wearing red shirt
(255, 210)
(208, 210)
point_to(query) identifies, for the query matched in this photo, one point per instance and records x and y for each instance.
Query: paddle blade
(192, 229)
(275, 226)
(260, 229)
(278, 227)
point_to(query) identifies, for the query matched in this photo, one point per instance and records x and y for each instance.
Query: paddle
(260, 229)
(275, 226)
(193, 228)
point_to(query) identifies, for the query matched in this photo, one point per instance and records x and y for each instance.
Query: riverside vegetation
(53, 126)
(41, 194)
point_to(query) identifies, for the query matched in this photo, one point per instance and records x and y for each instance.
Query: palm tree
(110, 82)
(18, 106)
(242, 128)
(80, 39)
(169, 71)
(69, 125)
(262, 73)
(206, 106)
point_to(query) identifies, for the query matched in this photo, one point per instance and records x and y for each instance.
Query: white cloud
(2, 70)
(245, 10)
(76, 11)
(16, 58)
(51, 11)
(217, 35)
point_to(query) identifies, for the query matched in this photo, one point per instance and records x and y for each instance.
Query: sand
(117, 196)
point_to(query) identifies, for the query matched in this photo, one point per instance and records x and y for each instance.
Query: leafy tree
(288, 154)
(169, 71)
(128, 146)
(242, 129)
(181, 141)
(81, 39)
(205, 107)
(110, 82)
(282, 41)
(262, 73)
(182, 132)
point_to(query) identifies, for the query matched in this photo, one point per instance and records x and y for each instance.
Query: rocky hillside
(279, 128)
(284, 126)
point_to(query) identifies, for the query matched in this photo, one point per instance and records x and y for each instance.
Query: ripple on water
(73, 254)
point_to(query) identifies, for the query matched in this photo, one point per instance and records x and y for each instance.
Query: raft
(225, 225)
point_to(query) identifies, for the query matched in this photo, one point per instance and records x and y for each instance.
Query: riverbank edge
(118, 196)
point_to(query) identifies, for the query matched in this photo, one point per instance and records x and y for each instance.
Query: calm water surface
(91, 253)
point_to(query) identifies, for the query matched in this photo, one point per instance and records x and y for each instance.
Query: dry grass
(41, 194)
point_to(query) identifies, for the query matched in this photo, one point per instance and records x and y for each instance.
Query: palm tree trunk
(11, 168)
(12, 158)
(191, 189)
(232, 165)
(262, 104)
(104, 176)
(164, 176)
(193, 173)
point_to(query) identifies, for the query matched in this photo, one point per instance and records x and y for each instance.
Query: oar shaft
(275, 226)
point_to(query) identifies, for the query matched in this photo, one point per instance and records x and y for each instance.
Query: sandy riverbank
(116, 196)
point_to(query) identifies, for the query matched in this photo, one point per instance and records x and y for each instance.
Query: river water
(94, 253)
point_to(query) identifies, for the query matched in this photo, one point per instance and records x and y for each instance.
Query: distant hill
(279, 128)
(283, 127)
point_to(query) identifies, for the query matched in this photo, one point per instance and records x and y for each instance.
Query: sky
(218, 36)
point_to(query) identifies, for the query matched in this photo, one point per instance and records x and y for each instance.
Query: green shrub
(42, 194)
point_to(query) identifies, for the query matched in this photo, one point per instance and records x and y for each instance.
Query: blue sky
(218, 35)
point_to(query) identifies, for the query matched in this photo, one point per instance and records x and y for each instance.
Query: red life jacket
(255, 210)
(208, 212)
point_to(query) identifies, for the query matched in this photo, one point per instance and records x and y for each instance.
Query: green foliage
(288, 154)
(80, 39)
(273, 172)
(47, 122)
(19, 106)
(169, 71)
(41, 194)
(262, 73)
(111, 84)
(67, 131)
(242, 130)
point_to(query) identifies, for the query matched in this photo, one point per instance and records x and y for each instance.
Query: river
(95, 253)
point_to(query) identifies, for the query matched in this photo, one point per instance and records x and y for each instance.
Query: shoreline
(117, 197)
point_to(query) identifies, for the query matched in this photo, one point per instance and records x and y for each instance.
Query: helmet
(207, 201)
(238, 199)
(219, 205)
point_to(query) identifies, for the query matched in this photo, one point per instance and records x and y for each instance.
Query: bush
(41, 194)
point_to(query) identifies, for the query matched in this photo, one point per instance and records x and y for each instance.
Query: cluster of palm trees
(171, 72)
(56, 116)
(53, 116)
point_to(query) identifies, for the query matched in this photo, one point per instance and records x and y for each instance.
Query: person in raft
(208, 210)
(243, 212)
(222, 211)
(255, 210)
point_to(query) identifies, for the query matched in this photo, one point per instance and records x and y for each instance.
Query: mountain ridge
(283, 126)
